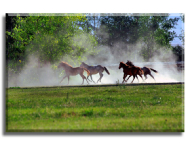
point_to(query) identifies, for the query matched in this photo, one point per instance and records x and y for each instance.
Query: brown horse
(73, 71)
(94, 70)
(131, 71)
(146, 70)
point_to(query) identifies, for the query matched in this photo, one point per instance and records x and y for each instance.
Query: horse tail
(107, 70)
(154, 70)
(88, 72)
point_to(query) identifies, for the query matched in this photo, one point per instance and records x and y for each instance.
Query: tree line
(79, 35)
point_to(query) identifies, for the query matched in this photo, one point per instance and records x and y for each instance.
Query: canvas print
(95, 72)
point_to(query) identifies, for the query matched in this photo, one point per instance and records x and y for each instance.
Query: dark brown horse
(73, 71)
(146, 70)
(94, 70)
(131, 71)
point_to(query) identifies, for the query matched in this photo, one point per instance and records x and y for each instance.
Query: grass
(120, 108)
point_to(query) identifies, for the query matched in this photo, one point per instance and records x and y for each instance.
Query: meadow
(122, 108)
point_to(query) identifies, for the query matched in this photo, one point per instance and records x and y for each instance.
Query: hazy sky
(178, 29)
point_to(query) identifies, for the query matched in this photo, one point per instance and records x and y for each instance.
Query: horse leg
(88, 79)
(101, 75)
(63, 78)
(68, 80)
(124, 76)
(145, 77)
(133, 78)
(141, 78)
(83, 77)
(91, 78)
(128, 78)
(152, 77)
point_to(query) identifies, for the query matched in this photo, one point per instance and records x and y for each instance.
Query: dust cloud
(49, 75)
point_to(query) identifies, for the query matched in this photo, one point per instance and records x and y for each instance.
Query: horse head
(60, 64)
(83, 64)
(129, 63)
(120, 64)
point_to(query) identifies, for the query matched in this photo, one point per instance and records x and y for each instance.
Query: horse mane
(130, 63)
(66, 63)
(123, 63)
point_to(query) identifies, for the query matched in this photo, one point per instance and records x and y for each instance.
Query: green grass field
(145, 108)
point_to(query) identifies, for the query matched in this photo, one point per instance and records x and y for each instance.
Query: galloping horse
(94, 70)
(130, 70)
(71, 71)
(146, 70)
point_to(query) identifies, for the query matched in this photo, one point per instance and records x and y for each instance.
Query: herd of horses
(128, 69)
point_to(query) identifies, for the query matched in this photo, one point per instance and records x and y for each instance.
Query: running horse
(131, 71)
(146, 70)
(94, 70)
(73, 71)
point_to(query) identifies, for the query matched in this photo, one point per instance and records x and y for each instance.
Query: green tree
(152, 30)
(52, 37)
(155, 32)
(178, 52)
(182, 35)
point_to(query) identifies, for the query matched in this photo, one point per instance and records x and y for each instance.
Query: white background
(97, 6)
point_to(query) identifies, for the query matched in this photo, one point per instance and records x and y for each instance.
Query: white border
(82, 6)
